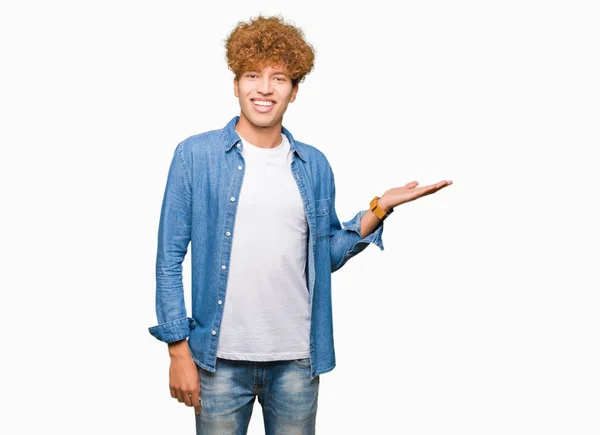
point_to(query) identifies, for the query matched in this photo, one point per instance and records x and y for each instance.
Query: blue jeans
(285, 391)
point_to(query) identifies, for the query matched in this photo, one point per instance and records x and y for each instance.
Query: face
(264, 96)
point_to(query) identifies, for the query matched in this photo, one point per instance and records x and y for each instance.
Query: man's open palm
(409, 192)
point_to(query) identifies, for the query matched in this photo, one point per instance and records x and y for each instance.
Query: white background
(479, 317)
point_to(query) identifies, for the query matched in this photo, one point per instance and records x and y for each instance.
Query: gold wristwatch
(378, 210)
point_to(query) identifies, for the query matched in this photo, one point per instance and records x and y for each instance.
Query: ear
(235, 87)
(294, 92)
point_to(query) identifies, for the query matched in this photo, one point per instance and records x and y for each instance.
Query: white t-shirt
(266, 313)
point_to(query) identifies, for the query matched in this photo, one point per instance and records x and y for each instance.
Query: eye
(251, 75)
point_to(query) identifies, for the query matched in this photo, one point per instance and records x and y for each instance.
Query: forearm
(179, 348)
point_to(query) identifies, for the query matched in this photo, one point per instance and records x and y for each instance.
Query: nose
(263, 85)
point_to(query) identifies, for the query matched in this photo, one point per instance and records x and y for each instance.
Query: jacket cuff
(174, 330)
(376, 237)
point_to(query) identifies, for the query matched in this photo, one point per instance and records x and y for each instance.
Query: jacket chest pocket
(323, 207)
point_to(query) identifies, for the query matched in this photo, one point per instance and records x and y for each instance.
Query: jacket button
(223, 267)
(220, 302)
(240, 167)
(214, 332)
(232, 198)
(228, 234)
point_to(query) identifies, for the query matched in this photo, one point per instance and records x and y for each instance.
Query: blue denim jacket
(199, 205)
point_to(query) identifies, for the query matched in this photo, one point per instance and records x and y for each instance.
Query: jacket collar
(231, 136)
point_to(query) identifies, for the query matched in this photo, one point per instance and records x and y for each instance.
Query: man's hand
(184, 380)
(409, 192)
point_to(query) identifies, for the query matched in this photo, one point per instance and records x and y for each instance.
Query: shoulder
(315, 157)
(201, 148)
(202, 142)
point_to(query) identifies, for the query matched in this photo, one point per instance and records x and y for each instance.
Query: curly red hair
(269, 41)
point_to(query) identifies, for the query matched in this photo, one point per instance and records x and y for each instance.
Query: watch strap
(379, 212)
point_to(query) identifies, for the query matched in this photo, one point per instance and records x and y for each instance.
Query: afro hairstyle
(269, 41)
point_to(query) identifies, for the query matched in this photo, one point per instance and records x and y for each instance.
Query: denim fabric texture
(199, 207)
(287, 393)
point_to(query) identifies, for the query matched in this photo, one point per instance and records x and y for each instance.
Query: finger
(188, 399)
(436, 186)
(442, 184)
(180, 396)
(439, 186)
(428, 190)
(173, 393)
(412, 184)
(433, 188)
(425, 190)
(196, 401)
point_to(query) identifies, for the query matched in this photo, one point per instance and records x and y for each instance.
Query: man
(258, 207)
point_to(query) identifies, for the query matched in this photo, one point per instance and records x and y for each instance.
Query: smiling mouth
(263, 103)
(263, 106)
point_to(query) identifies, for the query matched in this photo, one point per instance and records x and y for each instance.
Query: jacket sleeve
(174, 234)
(345, 242)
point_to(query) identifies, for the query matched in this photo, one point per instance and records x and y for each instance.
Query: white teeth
(263, 103)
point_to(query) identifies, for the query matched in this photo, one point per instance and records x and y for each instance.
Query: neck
(263, 137)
